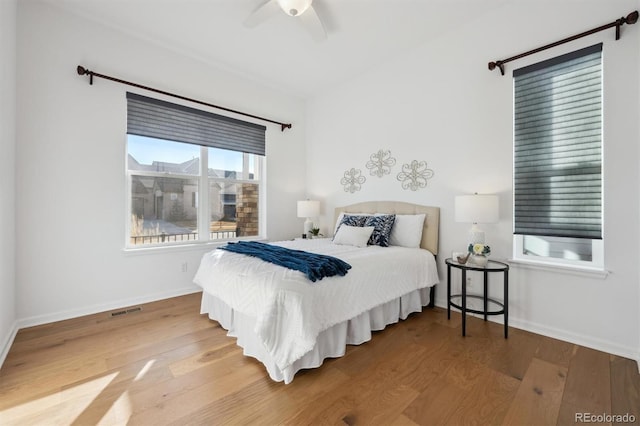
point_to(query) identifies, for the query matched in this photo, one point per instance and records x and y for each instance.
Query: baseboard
(578, 339)
(7, 342)
(90, 310)
(564, 335)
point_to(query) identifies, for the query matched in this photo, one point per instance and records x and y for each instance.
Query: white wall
(440, 104)
(70, 169)
(7, 173)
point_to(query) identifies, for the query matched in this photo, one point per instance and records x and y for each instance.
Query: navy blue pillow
(351, 220)
(382, 229)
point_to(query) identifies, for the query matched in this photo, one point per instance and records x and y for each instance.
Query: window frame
(597, 262)
(175, 122)
(202, 198)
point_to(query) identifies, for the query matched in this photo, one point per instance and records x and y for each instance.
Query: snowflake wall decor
(352, 180)
(380, 163)
(414, 176)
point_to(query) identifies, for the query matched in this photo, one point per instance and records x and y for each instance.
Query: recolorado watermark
(604, 418)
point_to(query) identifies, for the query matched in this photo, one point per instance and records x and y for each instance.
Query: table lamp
(476, 209)
(308, 209)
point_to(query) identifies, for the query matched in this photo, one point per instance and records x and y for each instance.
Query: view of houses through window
(173, 201)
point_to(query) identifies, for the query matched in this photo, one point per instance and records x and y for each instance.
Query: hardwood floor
(169, 365)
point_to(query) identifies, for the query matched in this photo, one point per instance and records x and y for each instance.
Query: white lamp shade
(476, 208)
(308, 208)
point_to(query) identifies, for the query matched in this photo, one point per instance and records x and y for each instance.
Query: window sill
(176, 248)
(566, 269)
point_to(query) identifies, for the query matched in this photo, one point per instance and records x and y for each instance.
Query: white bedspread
(291, 310)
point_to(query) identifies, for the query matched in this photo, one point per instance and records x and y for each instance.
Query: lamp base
(308, 226)
(476, 235)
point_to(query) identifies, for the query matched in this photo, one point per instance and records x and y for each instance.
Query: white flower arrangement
(479, 249)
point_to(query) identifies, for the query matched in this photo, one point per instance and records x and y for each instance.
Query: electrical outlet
(185, 266)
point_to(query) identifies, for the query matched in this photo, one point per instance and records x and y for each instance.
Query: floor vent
(126, 311)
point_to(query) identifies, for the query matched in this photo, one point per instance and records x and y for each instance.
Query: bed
(289, 323)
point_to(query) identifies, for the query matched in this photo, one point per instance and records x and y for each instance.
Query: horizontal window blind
(165, 120)
(558, 146)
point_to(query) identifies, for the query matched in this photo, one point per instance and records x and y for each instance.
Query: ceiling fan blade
(313, 24)
(263, 12)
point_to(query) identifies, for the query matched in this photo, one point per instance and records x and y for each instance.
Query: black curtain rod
(83, 71)
(631, 18)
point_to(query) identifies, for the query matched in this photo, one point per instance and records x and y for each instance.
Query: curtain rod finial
(499, 64)
(632, 18)
(83, 71)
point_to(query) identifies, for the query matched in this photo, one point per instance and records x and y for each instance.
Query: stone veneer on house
(247, 210)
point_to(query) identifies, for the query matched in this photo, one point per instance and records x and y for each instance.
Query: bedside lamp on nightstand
(476, 209)
(308, 209)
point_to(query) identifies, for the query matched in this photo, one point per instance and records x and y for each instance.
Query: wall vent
(126, 311)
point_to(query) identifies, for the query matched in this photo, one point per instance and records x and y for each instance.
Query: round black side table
(503, 307)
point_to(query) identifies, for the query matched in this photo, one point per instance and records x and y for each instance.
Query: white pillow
(407, 230)
(353, 235)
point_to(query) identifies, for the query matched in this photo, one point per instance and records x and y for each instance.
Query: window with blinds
(193, 176)
(558, 153)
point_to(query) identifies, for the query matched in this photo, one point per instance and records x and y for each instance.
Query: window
(558, 160)
(192, 175)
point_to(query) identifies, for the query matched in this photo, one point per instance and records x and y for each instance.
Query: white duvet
(291, 311)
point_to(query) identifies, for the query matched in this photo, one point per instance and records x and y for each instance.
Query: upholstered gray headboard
(431, 220)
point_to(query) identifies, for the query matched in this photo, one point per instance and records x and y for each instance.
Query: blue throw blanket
(314, 266)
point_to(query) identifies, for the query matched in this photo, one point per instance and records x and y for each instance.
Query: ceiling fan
(300, 9)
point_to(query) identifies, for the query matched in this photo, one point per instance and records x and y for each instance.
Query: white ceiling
(279, 52)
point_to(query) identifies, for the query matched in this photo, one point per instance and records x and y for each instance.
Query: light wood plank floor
(169, 365)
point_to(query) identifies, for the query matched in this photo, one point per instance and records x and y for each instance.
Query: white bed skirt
(331, 343)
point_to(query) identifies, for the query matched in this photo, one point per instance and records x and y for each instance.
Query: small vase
(479, 260)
